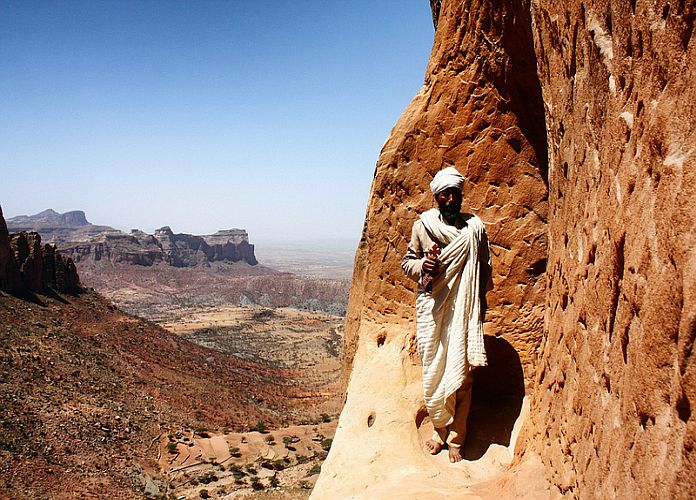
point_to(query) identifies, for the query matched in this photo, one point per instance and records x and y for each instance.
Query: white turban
(446, 178)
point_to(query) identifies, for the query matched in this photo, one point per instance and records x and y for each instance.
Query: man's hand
(432, 262)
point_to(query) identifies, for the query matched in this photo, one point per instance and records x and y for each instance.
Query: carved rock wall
(613, 413)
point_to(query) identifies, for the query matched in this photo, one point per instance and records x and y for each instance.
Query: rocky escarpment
(602, 90)
(613, 415)
(178, 250)
(85, 242)
(26, 264)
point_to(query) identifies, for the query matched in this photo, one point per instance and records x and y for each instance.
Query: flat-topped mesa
(59, 228)
(50, 218)
(165, 247)
(187, 250)
(223, 236)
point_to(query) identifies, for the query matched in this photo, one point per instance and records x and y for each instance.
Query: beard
(450, 213)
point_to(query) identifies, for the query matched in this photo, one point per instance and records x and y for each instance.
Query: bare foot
(455, 454)
(432, 447)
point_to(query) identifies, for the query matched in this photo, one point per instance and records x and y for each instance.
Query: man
(449, 258)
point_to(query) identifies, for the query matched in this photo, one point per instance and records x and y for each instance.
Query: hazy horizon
(207, 116)
(328, 243)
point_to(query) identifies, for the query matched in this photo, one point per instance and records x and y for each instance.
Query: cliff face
(9, 271)
(610, 375)
(613, 410)
(86, 242)
(178, 250)
(25, 264)
(480, 110)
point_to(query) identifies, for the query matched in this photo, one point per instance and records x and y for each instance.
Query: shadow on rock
(497, 399)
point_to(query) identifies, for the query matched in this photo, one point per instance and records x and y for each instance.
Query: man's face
(450, 203)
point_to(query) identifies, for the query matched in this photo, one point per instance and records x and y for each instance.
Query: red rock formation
(9, 273)
(26, 248)
(613, 414)
(66, 277)
(26, 265)
(178, 250)
(481, 111)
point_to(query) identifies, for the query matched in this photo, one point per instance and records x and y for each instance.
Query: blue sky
(202, 115)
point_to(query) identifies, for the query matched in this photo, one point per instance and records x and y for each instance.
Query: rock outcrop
(178, 250)
(481, 111)
(613, 413)
(9, 271)
(25, 264)
(610, 376)
(76, 237)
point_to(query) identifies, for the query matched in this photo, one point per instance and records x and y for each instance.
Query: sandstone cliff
(480, 110)
(573, 125)
(612, 414)
(178, 250)
(25, 264)
(77, 237)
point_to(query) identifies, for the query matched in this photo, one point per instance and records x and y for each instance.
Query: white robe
(449, 323)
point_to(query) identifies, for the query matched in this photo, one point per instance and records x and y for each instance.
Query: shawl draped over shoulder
(449, 323)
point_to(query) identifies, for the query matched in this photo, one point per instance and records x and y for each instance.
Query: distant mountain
(154, 274)
(57, 228)
(50, 218)
(76, 237)
(163, 247)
